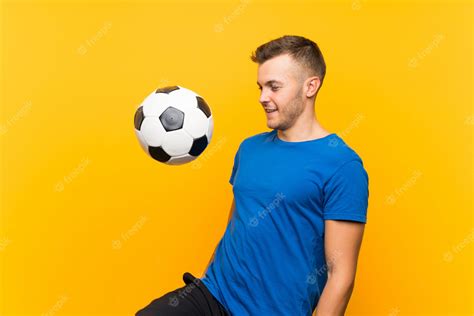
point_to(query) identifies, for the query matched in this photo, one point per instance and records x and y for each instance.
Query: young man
(300, 205)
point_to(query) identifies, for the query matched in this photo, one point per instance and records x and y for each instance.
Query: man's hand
(342, 243)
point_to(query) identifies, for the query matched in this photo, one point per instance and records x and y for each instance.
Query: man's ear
(312, 84)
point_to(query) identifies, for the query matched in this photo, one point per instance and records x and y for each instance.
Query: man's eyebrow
(270, 82)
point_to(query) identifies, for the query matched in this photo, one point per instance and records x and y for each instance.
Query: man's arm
(342, 243)
(228, 220)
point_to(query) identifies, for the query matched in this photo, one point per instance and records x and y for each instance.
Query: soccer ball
(174, 125)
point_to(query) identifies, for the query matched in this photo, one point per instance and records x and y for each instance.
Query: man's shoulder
(338, 146)
(260, 137)
(339, 153)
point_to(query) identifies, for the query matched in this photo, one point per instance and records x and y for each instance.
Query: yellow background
(90, 225)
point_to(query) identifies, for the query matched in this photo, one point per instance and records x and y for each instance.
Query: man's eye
(274, 88)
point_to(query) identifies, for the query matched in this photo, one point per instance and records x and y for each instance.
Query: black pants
(192, 299)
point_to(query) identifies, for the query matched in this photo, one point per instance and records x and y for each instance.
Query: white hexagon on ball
(177, 142)
(181, 159)
(153, 131)
(155, 104)
(210, 129)
(183, 100)
(195, 122)
(142, 141)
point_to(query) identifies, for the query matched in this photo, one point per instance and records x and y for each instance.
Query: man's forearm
(335, 297)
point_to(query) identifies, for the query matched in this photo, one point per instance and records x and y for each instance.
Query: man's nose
(264, 100)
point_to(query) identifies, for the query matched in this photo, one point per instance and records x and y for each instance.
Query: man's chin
(272, 126)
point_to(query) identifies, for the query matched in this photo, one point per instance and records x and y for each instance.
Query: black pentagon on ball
(198, 146)
(172, 119)
(167, 89)
(202, 105)
(159, 154)
(139, 117)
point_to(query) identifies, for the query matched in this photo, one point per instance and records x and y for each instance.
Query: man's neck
(303, 131)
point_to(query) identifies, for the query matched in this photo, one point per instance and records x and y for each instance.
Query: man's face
(280, 81)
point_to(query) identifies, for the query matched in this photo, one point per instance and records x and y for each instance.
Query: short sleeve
(346, 193)
(236, 165)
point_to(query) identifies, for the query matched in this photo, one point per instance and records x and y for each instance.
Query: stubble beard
(288, 116)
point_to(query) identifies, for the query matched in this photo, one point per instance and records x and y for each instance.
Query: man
(300, 204)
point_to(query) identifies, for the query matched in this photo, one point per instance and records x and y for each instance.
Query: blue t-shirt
(271, 258)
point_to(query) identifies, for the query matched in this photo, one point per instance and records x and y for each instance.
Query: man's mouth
(270, 110)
